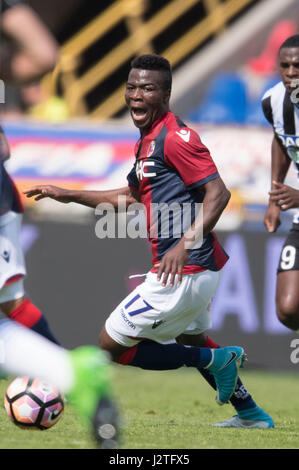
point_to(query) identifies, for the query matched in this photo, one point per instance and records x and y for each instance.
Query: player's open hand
(53, 192)
(173, 263)
(284, 196)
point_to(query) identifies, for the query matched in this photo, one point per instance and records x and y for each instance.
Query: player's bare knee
(10, 305)
(290, 322)
(107, 344)
(288, 313)
(104, 340)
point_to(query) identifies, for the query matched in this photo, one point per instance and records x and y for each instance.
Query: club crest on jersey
(151, 149)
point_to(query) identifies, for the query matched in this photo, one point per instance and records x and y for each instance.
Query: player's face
(289, 67)
(146, 98)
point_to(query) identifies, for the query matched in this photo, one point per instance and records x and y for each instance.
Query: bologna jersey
(171, 166)
(283, 114)
(9, 197)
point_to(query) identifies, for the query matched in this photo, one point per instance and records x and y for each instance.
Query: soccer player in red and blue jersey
(161, 324)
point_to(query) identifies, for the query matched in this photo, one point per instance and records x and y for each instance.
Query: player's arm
(280, 163)
(191, 159)
(215, 200)
(86, 198)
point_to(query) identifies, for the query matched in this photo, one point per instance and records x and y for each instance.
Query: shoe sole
(240, 364)
(256, 425)
(106, 424)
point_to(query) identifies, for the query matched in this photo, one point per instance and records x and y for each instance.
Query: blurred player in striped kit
(13, 301)
(281, 108)
(82, 375)
(27, 51)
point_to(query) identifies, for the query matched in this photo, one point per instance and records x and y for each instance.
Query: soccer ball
(33, 403)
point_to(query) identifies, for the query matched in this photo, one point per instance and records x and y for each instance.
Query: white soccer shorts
(159, 313)
(12, 261)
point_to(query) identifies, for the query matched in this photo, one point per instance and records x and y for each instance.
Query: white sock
(26, 353)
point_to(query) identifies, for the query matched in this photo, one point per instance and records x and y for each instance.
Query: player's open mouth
(138, 114)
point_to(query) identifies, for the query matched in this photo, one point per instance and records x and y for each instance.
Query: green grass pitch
(174, 410)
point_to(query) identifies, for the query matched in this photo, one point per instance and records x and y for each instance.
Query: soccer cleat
(91, 394)
(254, 418)
(105, 424)
(224, 366)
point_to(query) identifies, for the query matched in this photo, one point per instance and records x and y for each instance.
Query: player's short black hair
(292, 41)
(154, 62)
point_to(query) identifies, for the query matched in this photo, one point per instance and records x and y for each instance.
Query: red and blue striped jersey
(171, 165)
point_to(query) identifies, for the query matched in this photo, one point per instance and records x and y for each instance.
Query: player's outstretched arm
(280, 163)
(86, 198)
(53, 192)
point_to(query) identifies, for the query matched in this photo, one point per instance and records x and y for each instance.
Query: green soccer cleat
(91, 394)
(224, 366)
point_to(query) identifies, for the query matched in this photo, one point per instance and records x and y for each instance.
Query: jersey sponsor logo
(291, 143)
(128, 322)
(141, 169)
(151, 149)
(184, 134)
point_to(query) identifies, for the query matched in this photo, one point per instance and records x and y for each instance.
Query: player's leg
(23, 311)
(287, 293)
(82, 374)
(249, 415)
(141, 325)
(13, 301)
(287, 299)
(240, 399)
(150, 355)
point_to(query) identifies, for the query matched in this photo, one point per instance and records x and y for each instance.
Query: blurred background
(64, 65)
